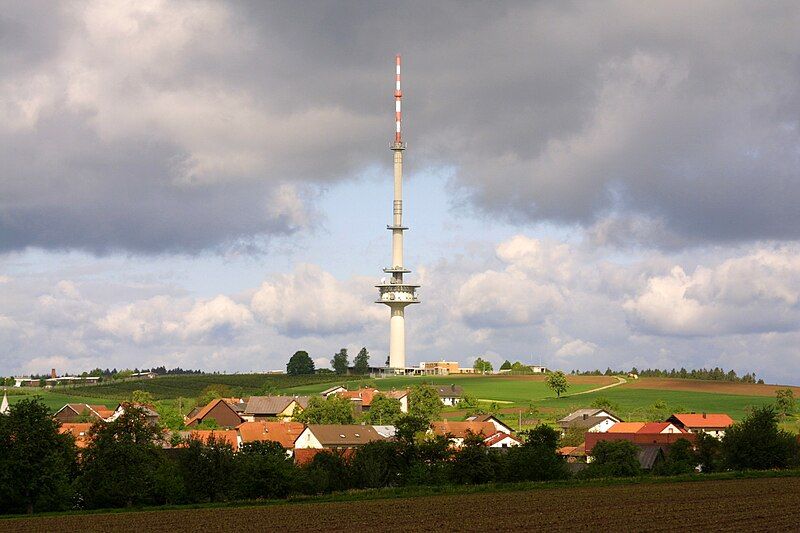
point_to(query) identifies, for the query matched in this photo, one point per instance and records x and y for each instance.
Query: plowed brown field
(729, 505)
(718, 387)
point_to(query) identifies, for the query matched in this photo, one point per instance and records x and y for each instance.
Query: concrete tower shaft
(396, 293)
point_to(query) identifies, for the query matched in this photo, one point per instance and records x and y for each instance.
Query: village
(238, 421)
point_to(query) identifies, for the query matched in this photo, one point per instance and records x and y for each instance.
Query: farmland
(632, 400)
(758, 504)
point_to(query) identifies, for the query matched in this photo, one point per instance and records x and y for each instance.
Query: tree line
(125, 466)
(300, 363)
(713, 374)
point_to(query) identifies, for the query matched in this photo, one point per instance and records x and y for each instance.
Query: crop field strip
(767, 504)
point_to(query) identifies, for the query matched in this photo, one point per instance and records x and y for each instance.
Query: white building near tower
(395, 292)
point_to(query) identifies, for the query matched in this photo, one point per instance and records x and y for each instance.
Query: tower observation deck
(395, 292)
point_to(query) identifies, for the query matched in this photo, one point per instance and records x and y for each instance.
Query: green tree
(361, 362)
(472, 463)
(141, 397)
(785, 402)
(300, 363)
(506, 365)
(36, 462)
(384, 410)
(207, 469)
(331, 410)
(681, 459)
(708, 452)
(120, 462)
(340, 362)
(557, 382)
(482, 366)
(757, 443)
(424, 401)
(263, 470)
(536, 459)
(376, 464)
(411, 428)
(614, 459)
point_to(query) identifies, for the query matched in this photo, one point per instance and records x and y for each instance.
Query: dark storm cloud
(191, 125)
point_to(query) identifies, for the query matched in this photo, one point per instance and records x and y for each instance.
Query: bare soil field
(719, 505)
(697, 385)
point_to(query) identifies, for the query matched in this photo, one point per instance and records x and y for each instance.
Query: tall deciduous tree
(384, 410)
(300, 363)
(36, 462)
(121, 461)
(557, 382)
(757, 443)
(482, 366)
(424, 401)
(361, 362)
(340, 362)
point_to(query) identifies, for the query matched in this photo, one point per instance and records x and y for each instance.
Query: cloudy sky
(589, 184)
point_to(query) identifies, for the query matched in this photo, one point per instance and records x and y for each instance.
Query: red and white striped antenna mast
(398, 97)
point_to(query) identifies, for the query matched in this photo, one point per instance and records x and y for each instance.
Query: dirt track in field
(717, 387)
(730, 505)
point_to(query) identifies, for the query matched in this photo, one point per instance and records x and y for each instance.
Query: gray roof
(450, 391)
(648, 455)
(386, 431)
(344, 434)
(267, 405)
(588, 413)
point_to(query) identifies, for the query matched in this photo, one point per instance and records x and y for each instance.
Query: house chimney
(453, 386)
(704, 415)
(585, 416)
(53, 373)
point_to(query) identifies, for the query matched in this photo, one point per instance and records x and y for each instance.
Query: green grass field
(510, 393)
(633, 404)
(56, 400)
(504, 390)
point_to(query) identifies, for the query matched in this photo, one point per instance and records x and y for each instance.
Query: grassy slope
(494, 388)
(634, 402)
(56, 400)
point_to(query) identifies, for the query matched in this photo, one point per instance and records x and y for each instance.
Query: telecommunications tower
(396, 293)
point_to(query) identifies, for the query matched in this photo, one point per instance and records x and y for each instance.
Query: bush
(536, 459)
(681, 459)
(613, 459)
(474, 463)
(376, 464)
(328, 472)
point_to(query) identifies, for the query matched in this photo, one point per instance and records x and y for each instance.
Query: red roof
(626, 427)
(703, 420)
(303, 456)
(498, 437)
(459, 430)
(79, 431)
(230, 436)
(284, 433)
(658, 427)
(205, 410)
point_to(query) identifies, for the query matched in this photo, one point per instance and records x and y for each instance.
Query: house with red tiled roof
(457, 431)
(501, 440)
(78, 430)
(284, 433)
(626, 427)
(220, 411)
(499, 425)
(362, 398)
(652, 428)
(81, 412)
(274, 407)
(228, 436)
(712, 423)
